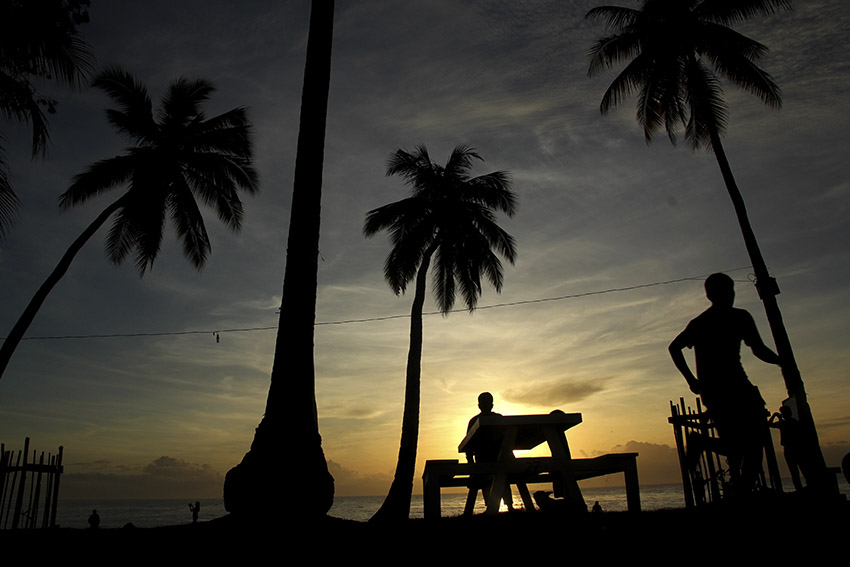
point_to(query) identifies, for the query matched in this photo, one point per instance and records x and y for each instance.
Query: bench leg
(527, 502)
(632, 487)
(431, 497)
(470, 502)
(497, 491)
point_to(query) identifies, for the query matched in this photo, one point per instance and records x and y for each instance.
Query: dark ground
(775, 530)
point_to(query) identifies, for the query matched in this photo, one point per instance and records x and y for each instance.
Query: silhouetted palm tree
(286, 467)
(676, 52)
(38, 41)
(449, 217)
(178, 156)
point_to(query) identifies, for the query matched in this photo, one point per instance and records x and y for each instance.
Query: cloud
(165, 477)
(657, 463)
(348, 482)
(554, 393)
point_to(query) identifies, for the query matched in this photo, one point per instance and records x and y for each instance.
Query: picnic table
(523, 432)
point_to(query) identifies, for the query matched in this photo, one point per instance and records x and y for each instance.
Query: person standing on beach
(195, 511)
(94, 520)
(737, 409)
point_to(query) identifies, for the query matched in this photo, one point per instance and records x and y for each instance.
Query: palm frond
(9, 202)
(190, 225)
(708, 110)
(182, 103)
(146, 212)
(446, 264)
(735, 58)
(492, 190)
(99, 178)
(121, 237)
(496, 238)
(134, 117)
(20, 101)
(631, 79)
(460, 162)
(612, 50)
(729, 12)
(615, 17)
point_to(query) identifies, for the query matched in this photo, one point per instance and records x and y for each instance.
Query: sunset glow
(616, 237)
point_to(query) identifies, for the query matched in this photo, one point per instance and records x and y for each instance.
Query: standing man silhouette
(737, 409)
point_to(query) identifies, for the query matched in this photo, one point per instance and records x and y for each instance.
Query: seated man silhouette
(487, 449)
(736, 408)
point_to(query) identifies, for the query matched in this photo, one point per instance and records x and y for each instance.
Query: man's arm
(763, 352)
(753, 340)
(675, 349)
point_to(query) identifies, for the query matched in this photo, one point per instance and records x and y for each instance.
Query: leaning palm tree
(676, 52)
(448, 217)
(179, 155)
(39, 41)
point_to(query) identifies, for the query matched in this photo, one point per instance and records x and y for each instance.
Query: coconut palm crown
(179, 155)
(675, 53)
(449, 216)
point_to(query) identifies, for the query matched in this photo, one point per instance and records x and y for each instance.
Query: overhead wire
(216, 333)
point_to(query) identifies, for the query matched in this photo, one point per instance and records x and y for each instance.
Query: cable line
(216, 333)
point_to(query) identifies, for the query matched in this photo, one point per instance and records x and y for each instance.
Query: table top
(529, 428)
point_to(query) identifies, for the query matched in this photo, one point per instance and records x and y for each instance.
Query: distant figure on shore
(94, 520)
(597, 508)
(195, 510)
(790, 439)
(487, 451)
(736, 408)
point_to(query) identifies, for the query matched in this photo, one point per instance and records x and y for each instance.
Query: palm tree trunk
(26, 318)
(396, 505)
(768, 290)
(286, 466)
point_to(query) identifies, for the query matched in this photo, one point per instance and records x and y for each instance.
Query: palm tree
(178, 156)
(676, 53)
(448, 217)
(287, 448)
(38, 41)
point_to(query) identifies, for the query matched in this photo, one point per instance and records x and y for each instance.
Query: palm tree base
(396, 506)
(267, 484)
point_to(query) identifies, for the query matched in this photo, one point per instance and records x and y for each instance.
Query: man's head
(485, 402)
(720, 290)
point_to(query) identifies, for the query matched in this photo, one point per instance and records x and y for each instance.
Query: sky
(167, 415)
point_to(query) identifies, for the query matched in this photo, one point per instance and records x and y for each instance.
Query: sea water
(153, 513)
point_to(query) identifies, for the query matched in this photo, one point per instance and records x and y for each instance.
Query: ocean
(153, 513)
